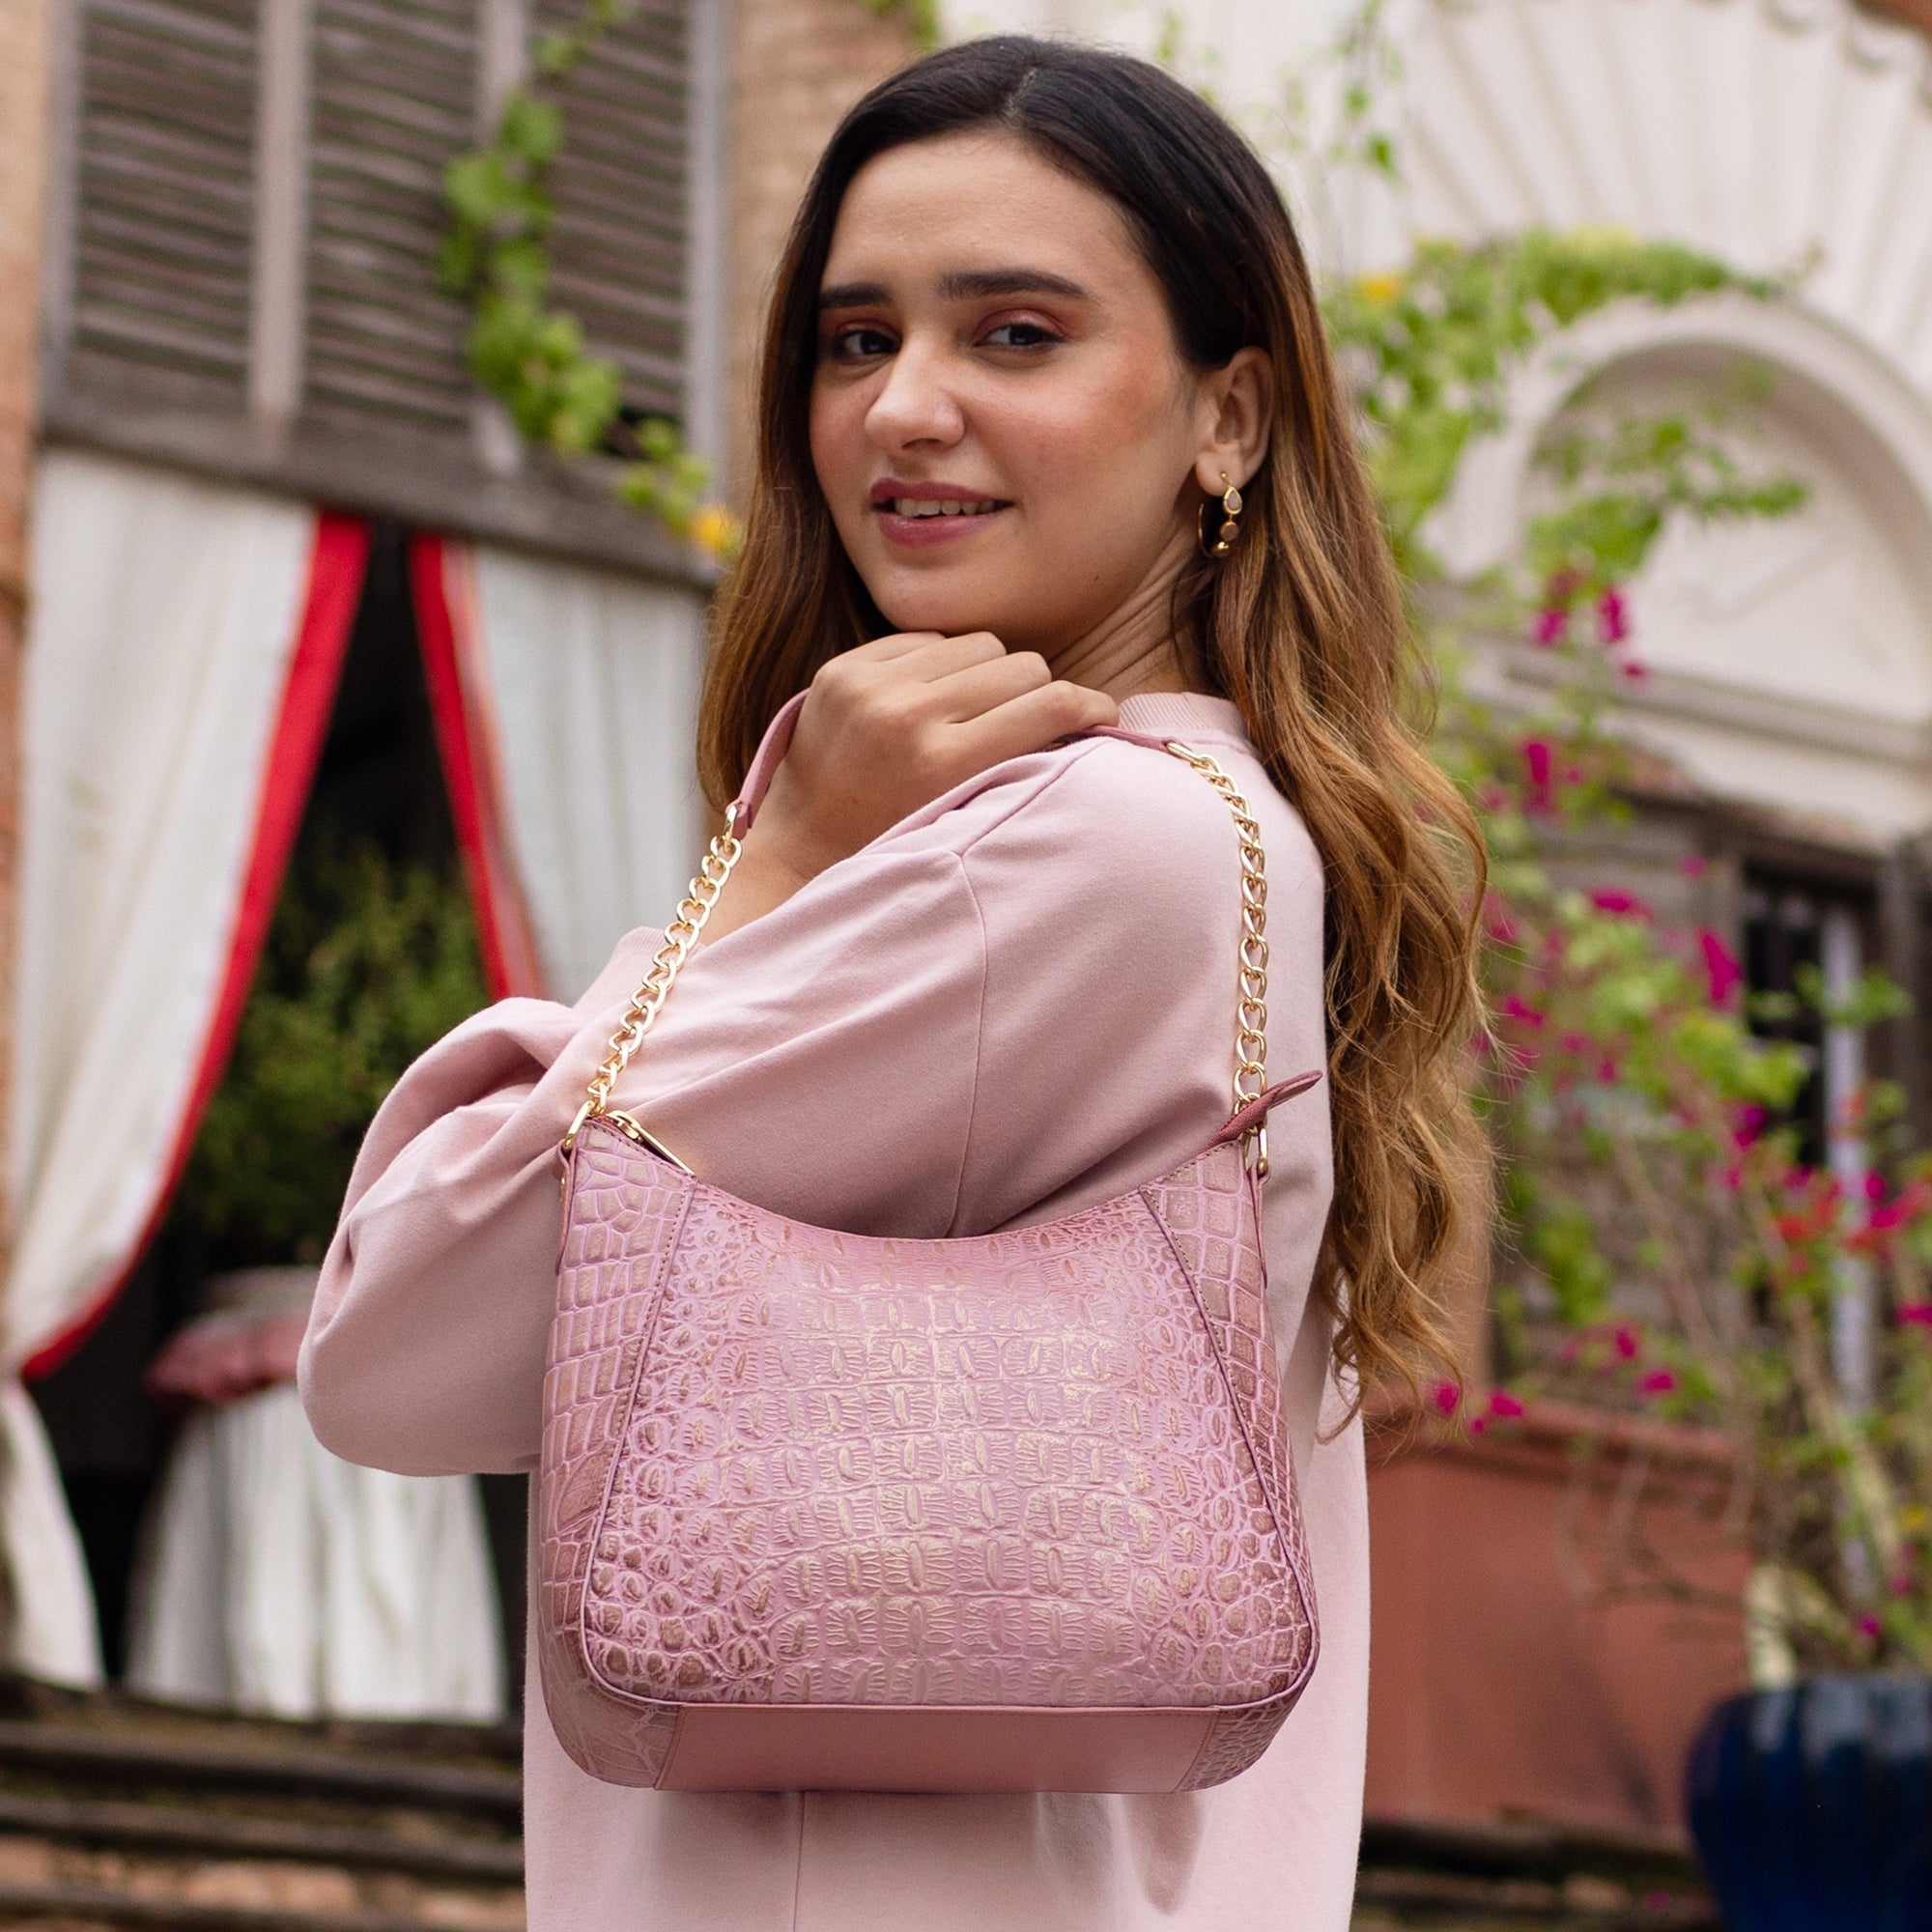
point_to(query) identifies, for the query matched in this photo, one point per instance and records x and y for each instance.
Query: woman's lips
(946, 526)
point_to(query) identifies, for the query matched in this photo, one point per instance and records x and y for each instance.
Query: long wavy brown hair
(1303, 627)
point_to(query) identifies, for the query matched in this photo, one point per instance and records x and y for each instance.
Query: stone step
(133, 1759)
(81, 1908)
(116, 1812)
(159, 1828)
(1527, 1875)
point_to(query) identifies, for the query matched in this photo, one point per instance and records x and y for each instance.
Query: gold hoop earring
(1231, 528)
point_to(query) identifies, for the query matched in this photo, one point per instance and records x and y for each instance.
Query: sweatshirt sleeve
(818, 1062)
(1019, 1002)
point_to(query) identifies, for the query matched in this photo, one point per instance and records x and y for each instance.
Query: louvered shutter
(164, 206)
(152, 352)
(619, 248)
(394, 97)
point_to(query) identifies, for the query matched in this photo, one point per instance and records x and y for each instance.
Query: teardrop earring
(1231, 528)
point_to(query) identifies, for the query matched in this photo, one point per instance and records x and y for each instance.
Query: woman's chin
(947, 594)
(953, 615)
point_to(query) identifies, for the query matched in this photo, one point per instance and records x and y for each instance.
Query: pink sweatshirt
(1018, 1002)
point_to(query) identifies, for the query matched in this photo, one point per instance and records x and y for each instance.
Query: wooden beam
(278, 296)
(502, 65)
(562, 510)
(26, 45)
(707, 255)
(61, 151)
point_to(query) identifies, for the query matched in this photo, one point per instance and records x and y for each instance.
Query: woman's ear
(1237, 410)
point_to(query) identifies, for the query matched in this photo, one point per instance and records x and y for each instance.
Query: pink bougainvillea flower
(1539, 761)
(1608, 1071)
(1657, 1381)
(1901, 1585)
(1634, 669)
(1871, 1628)
(1750, 1121)
(1692, 866)
(1623, 904)
(1916, 1313)
(1478, 1425)
(1514, 1007)
(1549, 626)
(1627, 1343)
(1575, 1043)
(1447, 1398)
(1874, 1186)
(1731, 1179)
(1613, 617)
(1722, 975)
(1503, 1405)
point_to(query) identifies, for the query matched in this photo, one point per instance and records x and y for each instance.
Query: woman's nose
(916, 405)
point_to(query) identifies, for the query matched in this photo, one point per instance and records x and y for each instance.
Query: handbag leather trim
(1240, 1408)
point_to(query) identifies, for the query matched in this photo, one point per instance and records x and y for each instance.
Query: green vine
(531, 356)
(1440, 339)
(921, 17)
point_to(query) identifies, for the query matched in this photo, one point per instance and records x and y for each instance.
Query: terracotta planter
(1506, 1681)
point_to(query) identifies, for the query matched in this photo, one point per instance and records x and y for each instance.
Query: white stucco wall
(1791, 662)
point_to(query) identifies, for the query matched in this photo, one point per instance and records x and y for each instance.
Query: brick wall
(796, 66)
(23, 73)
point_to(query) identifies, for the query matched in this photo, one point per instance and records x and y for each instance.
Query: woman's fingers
(979, 686)
(923, 654)
(1028, 721)
(893, 723)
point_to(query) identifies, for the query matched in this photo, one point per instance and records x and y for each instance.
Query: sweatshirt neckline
(1182, 713)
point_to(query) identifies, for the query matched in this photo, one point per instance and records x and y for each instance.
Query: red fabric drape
(458, 696)
(337, 563)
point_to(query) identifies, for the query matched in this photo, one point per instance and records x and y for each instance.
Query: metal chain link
(1251, 1011)
(647, 1002)
(681, 935)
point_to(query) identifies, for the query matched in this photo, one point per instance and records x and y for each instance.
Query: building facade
(219, 317)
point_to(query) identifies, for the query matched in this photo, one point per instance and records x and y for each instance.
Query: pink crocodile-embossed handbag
(823, 1511)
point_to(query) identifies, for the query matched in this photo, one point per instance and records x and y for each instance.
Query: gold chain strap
(1250, 1008)
(681, 935)
(647, 1002)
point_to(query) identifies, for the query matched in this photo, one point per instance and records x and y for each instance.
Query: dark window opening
(1801, 935)
(371, 954)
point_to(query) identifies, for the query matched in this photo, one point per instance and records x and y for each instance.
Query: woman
(1041, 332)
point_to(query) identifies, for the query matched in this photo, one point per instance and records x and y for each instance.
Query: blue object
(1812, 1807)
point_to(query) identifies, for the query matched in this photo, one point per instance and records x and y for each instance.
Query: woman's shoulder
(1118, 818)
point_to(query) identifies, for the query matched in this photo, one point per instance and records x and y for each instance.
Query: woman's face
(1001, 420)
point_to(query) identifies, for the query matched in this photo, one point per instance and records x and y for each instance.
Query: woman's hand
(887, 728)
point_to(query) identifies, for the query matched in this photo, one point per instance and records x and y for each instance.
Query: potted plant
(1792, 1319)
(1671, 1253)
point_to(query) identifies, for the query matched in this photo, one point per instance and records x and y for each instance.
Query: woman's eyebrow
(961, 285)
(968, 284)
(852, 295)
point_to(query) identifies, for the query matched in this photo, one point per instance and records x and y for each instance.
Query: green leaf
(531, 128)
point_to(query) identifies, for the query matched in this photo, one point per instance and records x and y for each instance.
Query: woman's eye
(1019, 335)
(859, 341)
